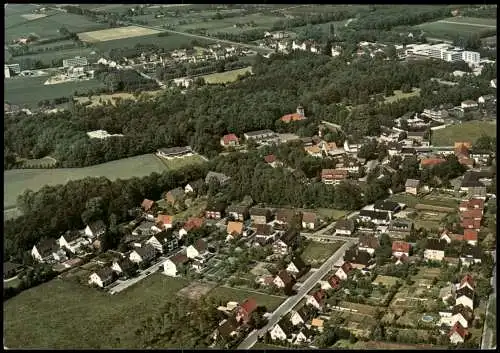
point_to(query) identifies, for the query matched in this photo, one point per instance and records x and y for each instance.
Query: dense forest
(329, 89)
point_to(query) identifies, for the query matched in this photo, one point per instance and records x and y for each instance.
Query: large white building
(444, 52)
(471, 57)
(76, 61)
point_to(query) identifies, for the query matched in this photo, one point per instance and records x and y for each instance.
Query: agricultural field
(225, 294)
(36, 319)
(316, 253)
(115, 34)
(331, 213)
(28, 91)
(14, 14)
(467, 131)
(318, 9)
(260, 21)
(227, 76)
(462, 26)
(431, 199)
(47, 57)
(429, 219)
(398, 94)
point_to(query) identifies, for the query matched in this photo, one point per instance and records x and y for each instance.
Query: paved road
(467, 24)
(486, 342)
(294, 300)
(122, 285)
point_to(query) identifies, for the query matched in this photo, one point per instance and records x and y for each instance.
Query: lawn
(96, 100)
(429, 219)
(16, 181)
(408, 199)
(176, 163)
(225, 295)
(316, 253)
(28, 91)
(457, 26)
(65, 315)
(467, 131)
(227, 76)
(431, 200)
(398, 94)
(427, 273)
(387, 281)
(331, 213)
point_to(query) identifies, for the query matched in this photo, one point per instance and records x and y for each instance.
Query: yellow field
(115, 33)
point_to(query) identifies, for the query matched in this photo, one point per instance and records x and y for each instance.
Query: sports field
(115, 33)
(467, 131)
(461, 26)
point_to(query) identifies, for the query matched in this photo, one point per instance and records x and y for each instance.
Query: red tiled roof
(466, 161)
(193, 223)
(334, 173)
(401, 246)
(476, 204)
(147, 204)
(228, 138)
(458, 328)
(346, 267)
(470, 223)
(270, 158)
(309, 217)
(468, 279)
(249, 306)
(179, 259)
(431, 161)
(319, 295)
(470, 235)
(334, 281)
(474, 214)
(164, 219)
(292, 117)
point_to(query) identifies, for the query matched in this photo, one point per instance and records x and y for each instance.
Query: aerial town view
(250, 176)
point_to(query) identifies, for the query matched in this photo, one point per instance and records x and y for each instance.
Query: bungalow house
(400, 228)
(368, 243)
(95, 229)
(264, 233)
(286, 216)
(333, 176)
(194, 187)
(219, 177)
(198, 249)
(191, 224)
(215, 210)
(171, 265)
(412, 186)
(302, 316)
(471, 236)
(469, 104)
(332, 282)
(285, 244)
(468, 282)
(143, 255)
(46, 250)
(465, 296)
(358, 259)
(164, 242)
(457, 334)
(316, 299)
(344, 270)
(234, 230)
(11, 269)
(175, 195)
(122, 266)
(282, 331)
(305, 335)
(310, 220)
(102, 277)
(345, 227)
(260, 215)
(434, 249)
(237, 212)
(245, 310)
(229, 140)
(317, 324)
(296, 267)
(377, 217)
(147, 205)
(400, 248)
(164, 221)
(471, 255)
(390, 207)
(283, 280)
(313, 151)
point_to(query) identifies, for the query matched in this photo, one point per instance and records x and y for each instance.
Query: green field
(177, 163)
(227, 76)
(433, 200)
(316, 253)
(28, 91)
(461, 26)
(398, 94)
(232, 294)
(331, 213)
(47, 57)
(467, 131)
(261, 21)
(324, 26)
(66, 315)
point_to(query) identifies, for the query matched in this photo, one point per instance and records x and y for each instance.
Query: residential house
(102, 277)
(229, 140)
(264, 233)
(486, 99)
(471, 255)
(368, 242)
(333, 176)
(387, 206)
(219, 177)
(469, 104)
(467, 281)
(461, 314)
(286, 216)
(400, 248)
(377, 217)
(95, 229)
(431, 162)
(358, 259)
(313, 151)
(122, 266)
(172, 265)
(174, 196)
(215, 210)
(285, 244)
(457, 334)
(479, 157)
(191, 224)
(45, 250)
(227, 330)
(465, 296)
(305, 335)
(298, 116)
(472, 185)
(165, 241)
(282, 331)
(296, 267)
(11, 269)
(237, 212)
(310, 220)
(333, 282)
(234, 230)
(260, 215)
(245, 310)
(472, 204)
(471, 236)
(449, 237)
(164, 221)
(345, 227)
(194, 187)
(260, 136)
(302, 316)
(198, 249)
(412, 186)
(446, 293)
(317, 324)
(434, 249)
(474, 214)
(400, 228)
(71, 241)
(331, 149)
(283, 280)
(272, 160)
(417, 136)
(147, 205)
(344, 270)
(470, 223)
(316, 299)
(143, 255)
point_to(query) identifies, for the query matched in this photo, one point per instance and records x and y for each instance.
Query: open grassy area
(112, 98)
(331, 213)
(431, 200)
(176, 163)
(233, 294)
(65, 315)
(16, 181)
(408, 199)
(316, 253)
(398, 94)
(227, 76)
(387, 281)
(467, 131)
(462, 26)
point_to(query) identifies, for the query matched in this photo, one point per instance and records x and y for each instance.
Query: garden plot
(195, 290)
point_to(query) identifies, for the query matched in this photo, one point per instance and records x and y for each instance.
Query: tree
(94, 210)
